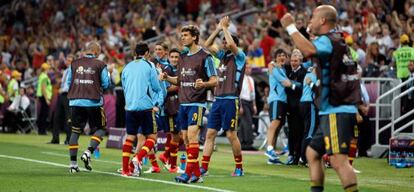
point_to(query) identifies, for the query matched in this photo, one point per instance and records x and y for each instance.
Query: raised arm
(225, 24)
(209, 43)
(303, 44)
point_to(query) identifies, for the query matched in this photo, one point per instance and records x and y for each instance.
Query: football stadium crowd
(39, 39)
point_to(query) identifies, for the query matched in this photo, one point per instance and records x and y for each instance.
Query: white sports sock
(73, 163)
(269, 147)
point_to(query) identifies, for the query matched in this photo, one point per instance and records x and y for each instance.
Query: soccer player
(336, 122)
(161, 54)
(196, 74)
(277, 101)
(169, 157)
(160, 62)
(87, 77)
(138, 77)
(225, 110)
(308, 110)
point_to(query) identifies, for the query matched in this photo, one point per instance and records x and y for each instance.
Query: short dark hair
(280, 51)
(141, 49)
(162, 44)
(194, 31)
(174, 50)
(235, 39)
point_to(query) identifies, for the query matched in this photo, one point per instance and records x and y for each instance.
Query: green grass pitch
(27, 163)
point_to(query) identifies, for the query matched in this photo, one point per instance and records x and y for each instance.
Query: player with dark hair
(138, 77)
(196, 75)
(225, 110)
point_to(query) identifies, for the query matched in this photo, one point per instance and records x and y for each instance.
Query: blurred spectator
(402, 57)
(13, 85)
(44, 96)
(255, 56)
(374, 60)
(61, 119)
(264, 119)
(13, 116)
(364, 129)
(247, 110)
(266, 43)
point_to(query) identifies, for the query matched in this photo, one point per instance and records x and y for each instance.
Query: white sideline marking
(116, 174)
(61, 155)
(118, 163)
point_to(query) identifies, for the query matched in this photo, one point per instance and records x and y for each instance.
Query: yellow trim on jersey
(173, 154)
(200, 116)
(315, 184)
(193, 145)
(145, 148)
(103, 118)
(237, 115)
(334, 133)
(126, 154)
(154, 123)
(96, 139)
(128, 143)
(351, 189)
(73, 146)
(356, 132)
(171, 122)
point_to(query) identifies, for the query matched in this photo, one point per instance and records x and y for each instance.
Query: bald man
(87, 77)
(336, 122)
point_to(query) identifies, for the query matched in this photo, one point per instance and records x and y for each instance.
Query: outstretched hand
(286, 20)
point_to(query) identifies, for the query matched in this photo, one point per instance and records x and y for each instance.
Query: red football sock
(153, 160)
(148, 145)
(173, 154)
(239, 161)
(168, 146)
(352, 151)
(126, 153)
(192, 160)
(181, 142)
(205, 162)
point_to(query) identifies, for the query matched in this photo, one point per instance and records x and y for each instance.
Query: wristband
(291, 29)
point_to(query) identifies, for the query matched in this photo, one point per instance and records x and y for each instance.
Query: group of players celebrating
(171, 94)
(176, 88)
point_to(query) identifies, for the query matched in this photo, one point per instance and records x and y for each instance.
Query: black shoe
(53, 142)
(248, 148)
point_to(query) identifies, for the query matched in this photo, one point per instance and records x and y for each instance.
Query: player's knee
(211, 134)
(311, 154)
(153, 137)
(231, 135)
(131, 137)
(338, 160)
